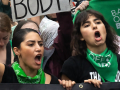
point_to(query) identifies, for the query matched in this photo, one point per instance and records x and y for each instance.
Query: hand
(82, 6)
(94, 81)
(68, 84)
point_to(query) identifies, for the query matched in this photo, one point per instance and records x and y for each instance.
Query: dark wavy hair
(79, 47)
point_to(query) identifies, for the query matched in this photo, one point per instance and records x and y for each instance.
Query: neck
(98, 49)
(28, 71)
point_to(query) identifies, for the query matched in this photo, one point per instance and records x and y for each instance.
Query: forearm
(66, 25)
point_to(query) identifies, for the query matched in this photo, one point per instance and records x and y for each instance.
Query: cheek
(85, 33)
(104, 30)
(26, 52)
(6, 41)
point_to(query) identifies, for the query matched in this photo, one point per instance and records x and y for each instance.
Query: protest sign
(22, 9)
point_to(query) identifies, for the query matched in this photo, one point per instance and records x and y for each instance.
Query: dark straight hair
(19, 37)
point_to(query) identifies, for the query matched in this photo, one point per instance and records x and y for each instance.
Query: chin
(100, 44)
(37, 67)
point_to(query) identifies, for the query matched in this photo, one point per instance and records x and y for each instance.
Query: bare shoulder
(2, 69)
(47, 78)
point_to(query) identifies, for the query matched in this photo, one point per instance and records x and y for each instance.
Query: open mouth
(97, 34)
(38, 59)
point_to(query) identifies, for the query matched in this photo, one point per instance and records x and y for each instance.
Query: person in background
(95, 57)
(6, 53)
(5, 7)
(27, 24)
(55, 31)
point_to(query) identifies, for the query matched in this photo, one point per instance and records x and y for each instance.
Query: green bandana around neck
(105, 64)
(24, 79)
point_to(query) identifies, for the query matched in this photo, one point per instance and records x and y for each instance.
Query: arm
(2, 69)
(82, 6)
(36, 19)
(66, 25)
(62, 41)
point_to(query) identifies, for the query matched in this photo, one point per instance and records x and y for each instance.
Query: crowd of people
(53, 49)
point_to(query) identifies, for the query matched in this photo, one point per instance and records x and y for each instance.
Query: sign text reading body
(22, 9)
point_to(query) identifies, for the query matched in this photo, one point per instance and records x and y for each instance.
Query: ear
(81, 38)
(16, 50)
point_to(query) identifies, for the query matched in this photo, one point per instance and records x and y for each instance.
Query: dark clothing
(79, 69)
(8, 54)
(61, 44)
(5, 9)
(10, 76)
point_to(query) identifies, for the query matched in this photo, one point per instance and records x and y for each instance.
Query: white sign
(22, 9)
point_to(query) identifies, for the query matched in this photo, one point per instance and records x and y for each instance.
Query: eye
(5, 38)
(30, 44)
(98, 22)
(41, 44)
(87, 25)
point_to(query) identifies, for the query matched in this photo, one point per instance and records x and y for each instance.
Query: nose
(94, 26)
(1, 43)
(38, 48)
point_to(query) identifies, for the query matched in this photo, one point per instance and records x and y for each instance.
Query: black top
(79, 69)
(10, 76)
(8, 54)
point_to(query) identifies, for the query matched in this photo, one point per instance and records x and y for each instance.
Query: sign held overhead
(22, 9)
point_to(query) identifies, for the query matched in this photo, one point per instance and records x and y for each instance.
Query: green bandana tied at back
(105, 64)
(24, 79)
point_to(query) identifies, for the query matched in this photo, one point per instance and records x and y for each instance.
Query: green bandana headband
(105, 64)
(24, 79)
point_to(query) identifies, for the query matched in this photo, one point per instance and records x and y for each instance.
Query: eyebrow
(96, 19)
(5, 36)
(89, 21)
(34, 41)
